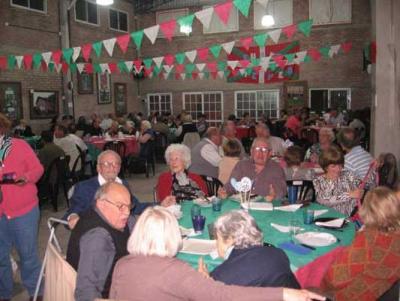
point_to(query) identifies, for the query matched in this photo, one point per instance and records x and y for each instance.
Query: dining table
(344, 235)
(96, 144)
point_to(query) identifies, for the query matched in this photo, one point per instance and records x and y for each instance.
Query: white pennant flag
(275, 35)
(58, 67)
(19, 61)
(109, 45)
(263, 2)
(151, 75)
(136, 70)
(204, 16)
(152, 33)
(200, 67)
(264, 62)
(168, 68)
(261, 75)
(105, 68)
(191, 55)
(221, 74)
(46, 57)
(228, 47)
(242, 71)
(129, 65)
(75, 55)
(158, 60)
(165, 75)
(232, 64)
(300, 57)
(334, 50)
(183, 76)
(201, 75)
(80, 67)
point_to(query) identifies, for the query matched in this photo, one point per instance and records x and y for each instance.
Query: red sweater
(164, 185)
(18, 200)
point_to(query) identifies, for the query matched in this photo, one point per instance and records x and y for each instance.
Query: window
(330, 11)
(118, 20)
(322, 99)
(160, 102)
(208, 103)
(166, 15)
(86, 11)
(217, 26)
(39, 5)
(281, 10)
(257, 103)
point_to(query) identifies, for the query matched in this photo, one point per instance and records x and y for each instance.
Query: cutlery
(308, 247)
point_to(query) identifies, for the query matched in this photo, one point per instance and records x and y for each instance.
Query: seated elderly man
(206, 155)
(108, 167)
(275, 143)
(267, 176)
(229, 133)
(99, 240)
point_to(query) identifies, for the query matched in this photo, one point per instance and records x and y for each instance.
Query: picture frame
(85, 83)
(295, 94)
(11, 100)
(103, 88)
(43, 104)
(120, 99)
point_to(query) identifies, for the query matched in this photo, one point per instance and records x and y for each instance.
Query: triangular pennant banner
(279, 59)
(36, 59)
(246, 42)
(191, 55)
(200, 67)
(75, 55)
(195, 75)
(58, 67)
(169, 59)
(97, 47)
(212, 66)
(123, 42)
(300, 56)
(275, 35)
(56, 56)
(243, 6)
(138, 70)
(290, 57)
(189, 68)
(96, 68)
(104, 68)
(19, 59)
(264, 62)
(215, 50)
(179, 68)
(168, 68)
(232, 64)
(201, 75)
(138, 64)
(186, 21)
(228, 47)
(112, 67)
(204, 16)
(242, 71)
(223, 11)
(180, 57)
(67, 54)
(152, 32)
(28, 61)
(334, 50)
(46, 57)
(314, 54)
(137, 37)
(202, 53)
(305, 27)
(183, 76)
(89, 68)
(168, 29)
(244, 63)
(3, 63)
(11, 62)
(158, 61)
(260, 39)
(346, 47)
(129, 65)
(122, 67)
(290, 30)
(86, 49)
(325, 51)
(221, 74)
(147, 62)
(80, 67)
(221, 65)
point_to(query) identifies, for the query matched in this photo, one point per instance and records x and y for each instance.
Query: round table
(271, 235)
(96, 145)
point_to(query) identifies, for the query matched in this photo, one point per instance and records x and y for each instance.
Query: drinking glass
(195, 210)
(295, 227)
(198, 223)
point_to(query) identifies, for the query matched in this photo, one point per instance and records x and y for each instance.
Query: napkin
(202, 202)
(258, 206)
(320, 212)
(189, 232)
(298, 249)
(287, 143)
(175, 210)
(289, 208)
(284, 229)
(336, 223)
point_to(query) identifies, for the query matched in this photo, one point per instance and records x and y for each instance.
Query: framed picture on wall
(103, 88)
(295, 94)
(120, 99)
(43, 104)
(11, 100)
(85, 83)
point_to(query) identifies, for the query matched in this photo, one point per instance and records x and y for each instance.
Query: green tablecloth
(271, 235)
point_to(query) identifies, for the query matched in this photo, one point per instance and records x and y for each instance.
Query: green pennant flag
(37, 59)
(180, 57)
(307, 59)
(305, 27)
(73, 67)
(249, 71)
(226, 73)
(122, 67)
(215, 50)
(255, 61)
(188, 75)
(147, 62)
(243, 6)
(272, 67)
(51, 67)
(222, 65)
(325, 51)
(67, 54)
(156, 71)
(97, 47)
(11, 62)
(96, 68)
(186, 21)
(206, 75)
(260, 39)
(290, 57)
(137, 37)
(189, 68)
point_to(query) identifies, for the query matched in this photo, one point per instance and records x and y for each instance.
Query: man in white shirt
(67, 143)
(276, 144)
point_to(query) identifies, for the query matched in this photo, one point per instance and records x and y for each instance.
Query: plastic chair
(161, 144)
(120, 148)
(145, 160)
(305, 190)
(212, 185)
(310, 135)
(191, 139)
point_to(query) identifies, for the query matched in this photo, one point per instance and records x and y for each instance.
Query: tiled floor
(141, 186)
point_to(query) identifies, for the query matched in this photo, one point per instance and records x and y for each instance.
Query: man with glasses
(99, 239)
(108, 167)
(268, 178)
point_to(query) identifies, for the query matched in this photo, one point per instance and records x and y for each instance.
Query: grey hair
(103, 190)
(260, 139)
(107, 152)
(181, 148)
(327, 131)
(146, 124)
(241, 227)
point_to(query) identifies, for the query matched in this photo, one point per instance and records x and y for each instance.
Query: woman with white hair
(147, 136)
(187, 126)
(247, 261)
(325, 141)
(178, 181)
(151, 271)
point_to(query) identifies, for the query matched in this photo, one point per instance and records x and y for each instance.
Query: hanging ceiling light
(104, 2)
(268, 21)
(186, 29)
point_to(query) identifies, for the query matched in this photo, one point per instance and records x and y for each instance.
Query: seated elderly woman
(325, 138)
(294, 171)
(336, 188)
(374, 252)
(247, 261)
(151, 271)
(178, 181)
(232, 151)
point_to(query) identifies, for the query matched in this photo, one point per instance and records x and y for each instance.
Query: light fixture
(104, 2)
(267, 21)
(186, 29)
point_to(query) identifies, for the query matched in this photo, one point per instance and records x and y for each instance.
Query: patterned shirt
(358, 161)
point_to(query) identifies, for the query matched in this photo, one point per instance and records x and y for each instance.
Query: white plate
(259, 206)
(202, 203)
(316, 239)
(198, 246)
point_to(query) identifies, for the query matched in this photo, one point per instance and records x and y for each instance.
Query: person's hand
(356, 193)
(202, 269)
(272, 194)
(72, 220)
(168, 201)
(300, 295)
(21, 181)
(222, 194)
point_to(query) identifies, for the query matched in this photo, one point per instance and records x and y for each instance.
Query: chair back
(310, 135)
(305, 190)
(160, 145)
(117, 146)
(78, 169)
(212, 184)
(191, 139)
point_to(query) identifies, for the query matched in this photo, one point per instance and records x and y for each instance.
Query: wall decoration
(43, 104)
(103, 88)
(10, 100)
(85, 83)
(120, 98)
(295, 94)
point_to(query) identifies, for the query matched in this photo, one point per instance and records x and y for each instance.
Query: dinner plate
(258, 206)
(198, 246)
(316, 239)
(202, 203)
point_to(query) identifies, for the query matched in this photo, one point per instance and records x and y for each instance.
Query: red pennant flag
(279, 60)
(138, 64)
(28, 61)
(195, 75)
(223, 11)
(169, 59)
(244, 63)
(234, 72)
(290, 30)
(3, 62)
(346, 47)
(177, 76)
(86, 49)
(148, 71)
(257, 69)
(123, 42)
(161, 75)
(202, 53)
(246, 42)
(212, 66)
(57, 56)
(315, 54)
(43, 66)
(214, 74)
(64, 67)
(179, 68)
(113, 67)
(89, 68)
(168, 29)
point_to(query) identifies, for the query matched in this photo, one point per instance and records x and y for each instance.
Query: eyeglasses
(261, 149)
(110, 164)
(120, 207)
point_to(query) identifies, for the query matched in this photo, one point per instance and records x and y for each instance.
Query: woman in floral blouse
(336, 188)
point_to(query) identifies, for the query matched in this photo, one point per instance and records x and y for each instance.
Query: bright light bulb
(186, 29)
(104, 2)
(267, 21)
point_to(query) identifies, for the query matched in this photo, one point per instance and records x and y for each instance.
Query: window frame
(202, 104)
(276, 26)
(330, 22)
(236, 29)
(178, 32)
(277, 91)
(348, 107)
(118, 11)
(159, 95)
(86, 22)
(31, 9)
